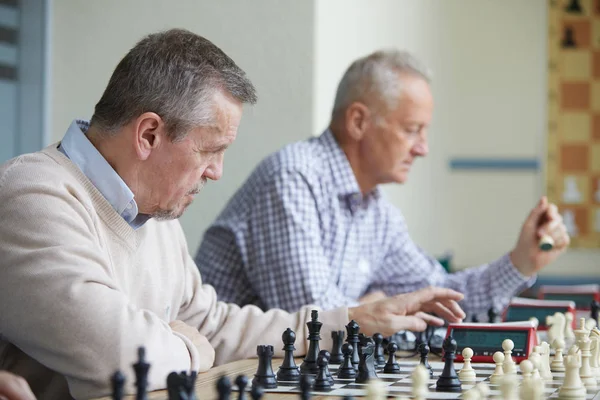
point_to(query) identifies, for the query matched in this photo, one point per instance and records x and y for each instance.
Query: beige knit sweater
(80, 289)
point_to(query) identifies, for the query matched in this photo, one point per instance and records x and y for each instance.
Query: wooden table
(207, 381)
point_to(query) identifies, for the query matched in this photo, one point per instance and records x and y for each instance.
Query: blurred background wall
(489, 65)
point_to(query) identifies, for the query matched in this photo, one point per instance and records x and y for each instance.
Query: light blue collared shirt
(82, 153)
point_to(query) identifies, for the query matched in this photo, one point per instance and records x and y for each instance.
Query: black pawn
(391, 367)
(492, 316)
(448, 380)
(337, 357)
(568, 40)
(326, 354)
(257, 392)
(366, 366)
(424, 352)
(175, 386)
(223, 388)
(379, 357)
(352, 339)
(118, 383)
(264, 373)
(474, 318)
(241, 381)
(322, 382)
(288, 371)
(574, 7)
(305, 387)
(141, 368)
(309, 365)
(347, 371)
(594, 310)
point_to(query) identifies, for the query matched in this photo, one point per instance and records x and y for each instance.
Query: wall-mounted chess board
(573, 160)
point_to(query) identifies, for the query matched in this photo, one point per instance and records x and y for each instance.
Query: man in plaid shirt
(310, 225)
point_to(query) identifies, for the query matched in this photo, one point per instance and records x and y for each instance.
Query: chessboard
(573, 135)
(400, 385)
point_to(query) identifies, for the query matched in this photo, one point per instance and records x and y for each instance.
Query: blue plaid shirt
(300, 232)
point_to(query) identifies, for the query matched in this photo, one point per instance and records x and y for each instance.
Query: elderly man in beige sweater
(93, 262)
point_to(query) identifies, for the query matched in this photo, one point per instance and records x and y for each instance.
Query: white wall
(270, 39)
(489, 63)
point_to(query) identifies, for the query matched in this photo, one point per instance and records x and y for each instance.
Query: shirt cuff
(511, 279)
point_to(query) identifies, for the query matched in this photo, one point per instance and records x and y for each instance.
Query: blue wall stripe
(495, 164)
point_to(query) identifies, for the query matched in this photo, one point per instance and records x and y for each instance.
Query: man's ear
(357, 120)
(149, 132)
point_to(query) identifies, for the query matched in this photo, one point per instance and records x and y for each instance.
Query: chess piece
(509, 365)
(467, 373)
(424, 352)
(352, 339)
(572, 387)
(322, 382)
(366, 366)
(223, 388)
(288, 371)
(571, 193)
(379, 358)
(326, 354)
(574, 7)
(569, 335)
(448, 380)
(590, 324)
(544, 352)
(597, 193)
(376, 390)
(498, 373)
(257, 392)
(305, 387)
(264, 373)
(336, 351)
(118, 383)
(189, 384)
(175, 386)
(535, 359)
(526, 369)
(556, 326)
(391, 367)
(492, 315)
(568, 40)
(420, 382)
(531, 389)
(597, 221)
(347, 371)
(241, 382)
(585, 371)
(570, 223)
(483, 389)
(508, 386)
(141, 368)
(557, 363)
(595, 352)
(309, 365)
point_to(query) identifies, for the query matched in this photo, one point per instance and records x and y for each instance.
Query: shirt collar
(341, 170)
(77, 147)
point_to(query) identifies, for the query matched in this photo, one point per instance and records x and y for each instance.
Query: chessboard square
(575, 96)
(596, 60)
(577, 215)
(581, 33)
(595, 157)
(595, 33)
(574, 158)
(574, 189)
(595, 96)
(596, 127)
(595, 189)
(576, 65)
(574, 127)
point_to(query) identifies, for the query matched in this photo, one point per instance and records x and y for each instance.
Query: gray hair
(375, 77)
(174, 74)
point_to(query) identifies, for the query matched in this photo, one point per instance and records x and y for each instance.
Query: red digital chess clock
(486, 339)
(521, 309)
(582, 295)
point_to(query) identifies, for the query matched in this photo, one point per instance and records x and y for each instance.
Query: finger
(537, 212)
(16, 388)
(417, 299)
(450, 312)
(430, 319)
(406, 322)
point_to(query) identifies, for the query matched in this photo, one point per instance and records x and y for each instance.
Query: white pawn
(509, 365)
(557, 363)
(544, 352)
(508, 387)
(496, 377)
(572, 387)
(595, 350)
(526, 369)
(420, 382)
(590, 324)
(535, 360)
(467, 373)
(569, 326)
(376, 390)
(532, 389)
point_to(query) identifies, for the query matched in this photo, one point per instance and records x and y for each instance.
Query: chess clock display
(486, 339)
(522, 309)
(582, 295)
